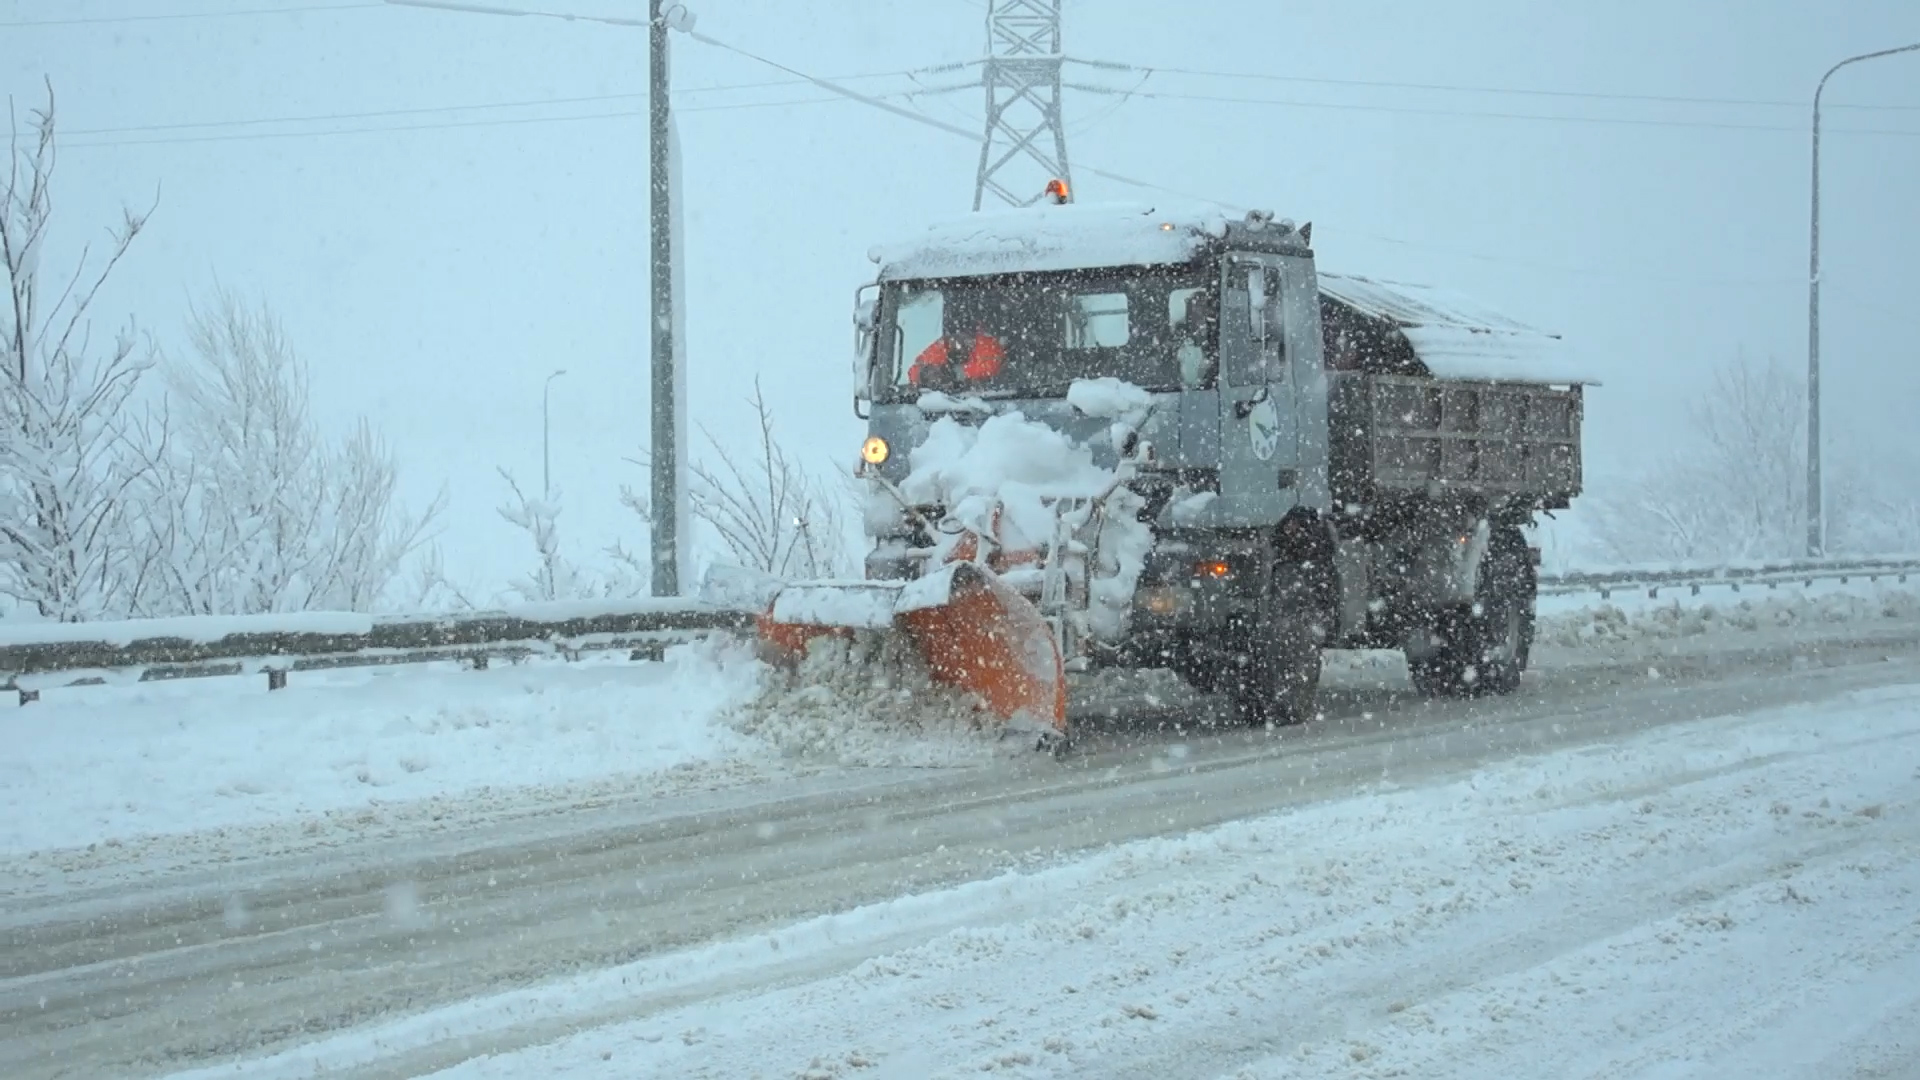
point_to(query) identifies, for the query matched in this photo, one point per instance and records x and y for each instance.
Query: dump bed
(1413, 434)
(1430, 392)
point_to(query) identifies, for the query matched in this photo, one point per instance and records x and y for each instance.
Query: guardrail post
(276, 678)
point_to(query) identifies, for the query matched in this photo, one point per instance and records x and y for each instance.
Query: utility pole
(1022, 80)
(666, 448)
(1816, 499)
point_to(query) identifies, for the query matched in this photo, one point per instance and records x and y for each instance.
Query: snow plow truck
(1123, 436)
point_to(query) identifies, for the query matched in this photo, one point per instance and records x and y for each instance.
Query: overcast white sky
(435, 262)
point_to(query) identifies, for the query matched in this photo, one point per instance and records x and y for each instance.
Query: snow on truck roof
(1453, 336)
(1457, 338)
(1078, 236)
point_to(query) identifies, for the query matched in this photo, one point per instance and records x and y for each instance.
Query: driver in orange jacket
(983, 360)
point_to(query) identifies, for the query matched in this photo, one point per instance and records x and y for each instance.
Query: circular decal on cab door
(1263, 427)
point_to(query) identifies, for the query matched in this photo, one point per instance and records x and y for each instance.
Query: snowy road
(1732, 897)
(192, 969)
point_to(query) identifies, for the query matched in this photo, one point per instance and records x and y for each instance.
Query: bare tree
(64, 469)
(1734, 488)
(771, 514)
(432, 589)
(249, 509)
(556, 577)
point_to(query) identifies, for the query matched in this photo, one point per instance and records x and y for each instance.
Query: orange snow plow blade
(975, 632)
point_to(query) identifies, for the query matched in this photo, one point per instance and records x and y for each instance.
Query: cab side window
(1251, 343)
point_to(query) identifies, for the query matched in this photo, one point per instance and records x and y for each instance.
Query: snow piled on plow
(868, 700)
(1023, 467)
(1009, 459)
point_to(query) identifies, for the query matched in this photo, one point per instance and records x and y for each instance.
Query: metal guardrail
(1769, 575)
(37, 655)
(141, 650)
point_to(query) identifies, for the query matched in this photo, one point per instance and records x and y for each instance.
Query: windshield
(1033, 334)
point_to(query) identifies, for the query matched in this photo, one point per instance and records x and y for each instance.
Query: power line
(429, 110)
(1121, 95)
(98, 20)
(506, 121)
(1460, 88)
(1165, 95)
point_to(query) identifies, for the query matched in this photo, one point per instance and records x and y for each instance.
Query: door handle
(1244, 409)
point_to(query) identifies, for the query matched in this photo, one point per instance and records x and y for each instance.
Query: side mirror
(866, 311)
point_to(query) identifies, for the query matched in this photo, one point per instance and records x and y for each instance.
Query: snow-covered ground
(90, 764)
(1830, 595)
(1729, 897)
(104, 765)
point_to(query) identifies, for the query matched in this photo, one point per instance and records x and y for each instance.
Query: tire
(1280, 683)
(1484, 647)
(1205, 678)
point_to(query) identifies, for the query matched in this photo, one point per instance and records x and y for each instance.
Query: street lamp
(1816, 512)
(546, 429)
(668, 371)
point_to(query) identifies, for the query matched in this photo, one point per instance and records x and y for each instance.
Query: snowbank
(1605, 624)
(169, 758)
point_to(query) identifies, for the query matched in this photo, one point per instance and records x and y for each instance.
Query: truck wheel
(1280, 684)
(1279, 681)
(1484, 648)
(1205, 676)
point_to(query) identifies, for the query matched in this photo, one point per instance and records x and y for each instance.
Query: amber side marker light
(1212, 570)
(874, 451)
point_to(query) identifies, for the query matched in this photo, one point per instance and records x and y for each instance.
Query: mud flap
(976, 633)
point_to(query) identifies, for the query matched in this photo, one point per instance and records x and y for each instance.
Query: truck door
(1306, 370)
(1259, 423)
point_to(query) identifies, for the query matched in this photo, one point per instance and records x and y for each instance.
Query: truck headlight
(1165, 600)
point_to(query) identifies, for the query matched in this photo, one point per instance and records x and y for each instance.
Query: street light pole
(546, 429)
(1816, 502)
